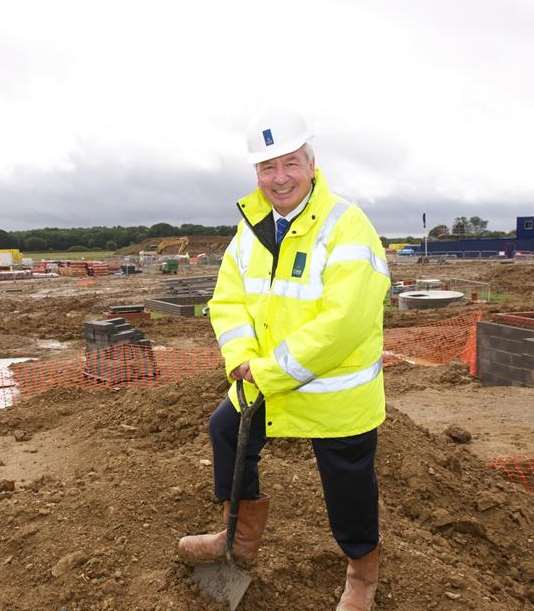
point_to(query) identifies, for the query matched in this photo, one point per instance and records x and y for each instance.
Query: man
(297, 311)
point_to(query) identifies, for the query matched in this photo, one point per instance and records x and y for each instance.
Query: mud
(107, 480)
(94, 524)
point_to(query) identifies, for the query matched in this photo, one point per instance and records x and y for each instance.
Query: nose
(280, 175)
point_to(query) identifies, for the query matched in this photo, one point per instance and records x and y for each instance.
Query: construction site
(110, 370)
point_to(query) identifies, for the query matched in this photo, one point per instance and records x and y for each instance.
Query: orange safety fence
(435, 342)
(121, 365)
(519, 469)
(131, 364)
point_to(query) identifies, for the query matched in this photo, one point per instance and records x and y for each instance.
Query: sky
(135, 112)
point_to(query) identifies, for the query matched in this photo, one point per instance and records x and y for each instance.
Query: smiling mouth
(283, 192)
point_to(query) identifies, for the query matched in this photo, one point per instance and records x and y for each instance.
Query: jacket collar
(255, 207)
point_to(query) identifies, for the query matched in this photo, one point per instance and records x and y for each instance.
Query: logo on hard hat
(268, 137)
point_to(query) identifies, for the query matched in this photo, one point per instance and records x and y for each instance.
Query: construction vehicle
(172, 246)
(170, 266)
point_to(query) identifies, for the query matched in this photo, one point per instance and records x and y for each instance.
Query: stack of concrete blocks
(183, 294)
(131, 313)
(117, 352)
(505, 354)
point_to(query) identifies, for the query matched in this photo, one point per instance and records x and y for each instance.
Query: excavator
(173, 246)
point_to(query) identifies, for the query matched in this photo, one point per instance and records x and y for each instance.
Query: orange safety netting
(435, 342)
(131, 364)
(517, 469)
(121, 365)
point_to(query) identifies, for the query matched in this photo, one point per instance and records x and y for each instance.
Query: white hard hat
(276, 132)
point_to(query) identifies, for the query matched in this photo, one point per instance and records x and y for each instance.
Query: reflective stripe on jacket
(307, 315)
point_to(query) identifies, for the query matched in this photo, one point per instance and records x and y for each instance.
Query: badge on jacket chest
(299, 264)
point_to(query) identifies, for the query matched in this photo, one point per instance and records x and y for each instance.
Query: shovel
(224, 581)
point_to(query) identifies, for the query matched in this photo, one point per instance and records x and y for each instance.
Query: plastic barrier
(519, 469)
(435, 342)
(117, 366)
(131, 364)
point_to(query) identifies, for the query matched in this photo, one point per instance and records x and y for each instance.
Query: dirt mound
(57, 317)
(192, 330)
(95, 526)
(395, 318)
(404, 377)
(514, 278)
(207, 244)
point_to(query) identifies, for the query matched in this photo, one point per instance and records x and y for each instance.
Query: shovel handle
(247, 412)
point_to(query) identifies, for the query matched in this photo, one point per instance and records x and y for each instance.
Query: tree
(161, 230)
(464, 226)
(7, 240)
(438, 231)
(460, 225)
(477, 225)
(111, 245)
(34, 244)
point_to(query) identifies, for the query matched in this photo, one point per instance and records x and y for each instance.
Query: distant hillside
(209, 244)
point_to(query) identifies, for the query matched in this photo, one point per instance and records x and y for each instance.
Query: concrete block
(528, 346)
(494, 380)
(123, 336)
(514, 359)
(506, 331)
(506, 345)
(127, 308)
(484, 365)
(125, 326)
(99, 326)
(116, 321)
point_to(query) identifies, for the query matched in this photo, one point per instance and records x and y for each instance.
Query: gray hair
(306, 148)
(308, 151)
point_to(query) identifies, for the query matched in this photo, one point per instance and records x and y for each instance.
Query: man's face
(286, 180)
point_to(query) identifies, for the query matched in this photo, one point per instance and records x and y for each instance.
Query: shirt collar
(291, 215)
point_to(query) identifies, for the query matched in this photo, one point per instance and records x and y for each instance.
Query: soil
(97, 485)
(107, 481)
(198, 244)
(498, 417)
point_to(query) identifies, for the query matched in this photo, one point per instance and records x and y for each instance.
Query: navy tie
(281, 228)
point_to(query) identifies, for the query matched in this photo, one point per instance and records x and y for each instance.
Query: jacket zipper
(276, 252)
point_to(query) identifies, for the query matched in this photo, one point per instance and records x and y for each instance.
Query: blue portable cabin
(486, 247)
(525, 227)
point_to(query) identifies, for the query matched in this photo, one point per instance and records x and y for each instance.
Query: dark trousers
(346, 467)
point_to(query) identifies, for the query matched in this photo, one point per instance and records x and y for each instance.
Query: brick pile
(73, 269)
(110, 355)
(131, 313)
(97, 268)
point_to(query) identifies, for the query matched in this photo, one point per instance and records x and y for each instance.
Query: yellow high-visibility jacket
(308, 315)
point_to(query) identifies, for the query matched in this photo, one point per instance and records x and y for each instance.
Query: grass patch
(157, 315)
(496, 297)
(88, 255)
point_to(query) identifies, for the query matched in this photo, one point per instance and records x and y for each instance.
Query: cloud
(119, 113)
(103, 192)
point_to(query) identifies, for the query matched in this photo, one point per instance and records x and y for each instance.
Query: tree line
(99, 238)
(462, 227)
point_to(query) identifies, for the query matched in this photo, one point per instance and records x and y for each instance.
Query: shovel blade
(223, 581)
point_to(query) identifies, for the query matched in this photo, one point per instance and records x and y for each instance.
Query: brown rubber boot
(362, 580)
(251, 521)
